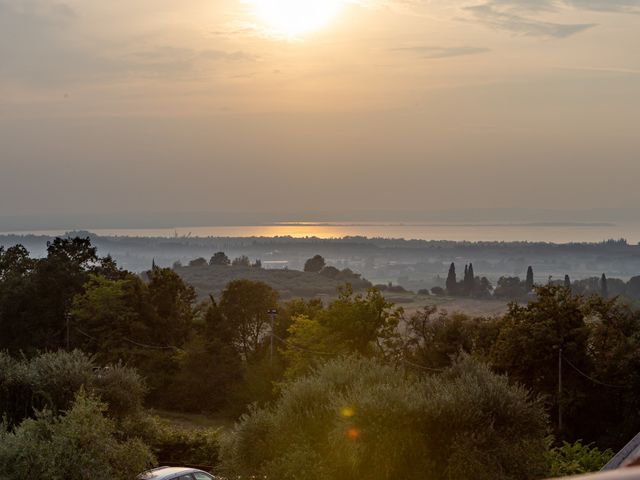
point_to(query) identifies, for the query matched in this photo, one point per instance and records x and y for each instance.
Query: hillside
(289, 283)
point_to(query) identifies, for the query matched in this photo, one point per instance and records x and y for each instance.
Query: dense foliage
(81, 444)
(358, 418)
(576, 458)
(51, 380)
(331, 387)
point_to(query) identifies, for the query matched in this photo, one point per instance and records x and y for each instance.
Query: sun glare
(294, 18)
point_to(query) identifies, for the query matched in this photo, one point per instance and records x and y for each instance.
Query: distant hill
(289, 283)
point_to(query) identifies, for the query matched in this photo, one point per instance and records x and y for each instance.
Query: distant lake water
(532, 232)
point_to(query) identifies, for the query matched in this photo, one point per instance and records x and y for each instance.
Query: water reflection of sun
(293, 18)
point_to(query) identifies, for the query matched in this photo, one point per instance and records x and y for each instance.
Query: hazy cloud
(442, 52)
(621, 6)
(168, 61)
(40, 44)
(514, 16)
(36, 44)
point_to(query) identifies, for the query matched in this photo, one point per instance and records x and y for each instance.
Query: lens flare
(347, 412)
(353, 433)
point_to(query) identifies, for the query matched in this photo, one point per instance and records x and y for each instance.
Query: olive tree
(356, 418)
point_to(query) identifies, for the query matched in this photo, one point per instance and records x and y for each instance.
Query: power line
(333, 354)
(156, 347)
(138, 344)
(86, 334)
(591, 378)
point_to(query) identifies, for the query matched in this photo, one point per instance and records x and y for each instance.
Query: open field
(474, 307)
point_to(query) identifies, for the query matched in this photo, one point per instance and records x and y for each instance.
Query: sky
(387, 105)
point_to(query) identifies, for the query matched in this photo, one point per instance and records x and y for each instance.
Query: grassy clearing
(193, 421)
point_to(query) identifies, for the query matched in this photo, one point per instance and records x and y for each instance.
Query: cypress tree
(452, 281)
(471, 279)
(604, 288)
(567, 281)
(529, 281)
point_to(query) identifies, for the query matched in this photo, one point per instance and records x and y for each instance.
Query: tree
(36, 295)
(140, 323)
(257, 264)
(613, 359)
(198, 262)
(207, 371)
(220, 258)
(172, 302)
(244, 305)
(434, 339)
(633, 287)
(242, 261)
(528, 284)
(567, 282)
(529, 344)
(354, 323)
(469, 280)
(604, 288)
(315, 264)
(15, 261)
(110, 314)
(451, 283)
(357, 418)
(510, 288)
(208, 366)
(82, 444)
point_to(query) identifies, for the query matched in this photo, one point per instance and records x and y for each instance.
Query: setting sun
(295, 17)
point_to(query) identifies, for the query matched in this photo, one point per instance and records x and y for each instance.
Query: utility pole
(272, 313)
(560, 389)
(67, 320)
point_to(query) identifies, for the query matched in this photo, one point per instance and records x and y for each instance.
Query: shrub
(79, 445)
(122, 388)
(576, 458)
(56, 377)
(186, 447)
(51, 381)
(355, 418)
(438, 291)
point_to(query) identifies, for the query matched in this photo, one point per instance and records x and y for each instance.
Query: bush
(51, 381)
(356, 418)
(79, 445)
(438, 291)
(56, 377)
(576, 458)
(15, 392)
(186, 447)
(122, 388)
